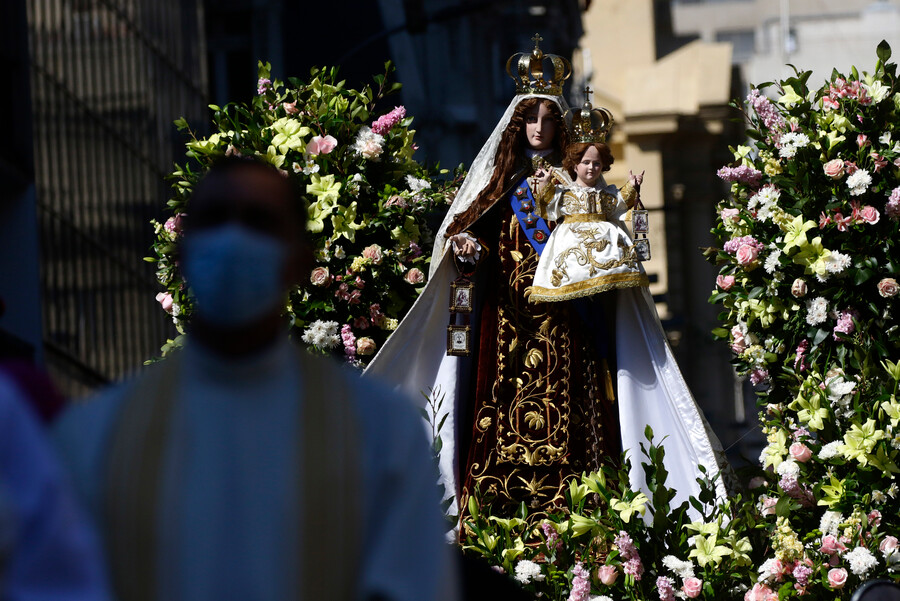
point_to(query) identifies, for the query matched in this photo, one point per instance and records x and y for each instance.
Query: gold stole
(328, 473)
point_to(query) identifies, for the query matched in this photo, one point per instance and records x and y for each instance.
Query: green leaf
(862, 275)
(820, 336)
(883, 51)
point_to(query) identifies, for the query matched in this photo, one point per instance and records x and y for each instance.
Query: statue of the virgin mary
(528, 396)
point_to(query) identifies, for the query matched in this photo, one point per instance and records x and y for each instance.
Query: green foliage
(368, 202)
(622, 539)
(807, 284)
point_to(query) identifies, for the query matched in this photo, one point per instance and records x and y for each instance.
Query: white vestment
(230, 498)
(589, 251)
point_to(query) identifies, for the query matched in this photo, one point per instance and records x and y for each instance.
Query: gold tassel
(607, 377)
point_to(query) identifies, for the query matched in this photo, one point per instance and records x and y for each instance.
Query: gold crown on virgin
(590, 124)
(528, 70)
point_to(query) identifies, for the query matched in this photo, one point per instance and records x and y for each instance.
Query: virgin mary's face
(540, 128)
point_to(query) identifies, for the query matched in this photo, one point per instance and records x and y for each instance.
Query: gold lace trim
(589, 287)
(585, 218)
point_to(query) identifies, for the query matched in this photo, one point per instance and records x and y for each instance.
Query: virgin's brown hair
(575, 152)
(510, 158)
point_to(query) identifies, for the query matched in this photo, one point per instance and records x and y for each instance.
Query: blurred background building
(98, 83)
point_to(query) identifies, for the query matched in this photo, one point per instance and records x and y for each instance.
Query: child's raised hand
(635, 180)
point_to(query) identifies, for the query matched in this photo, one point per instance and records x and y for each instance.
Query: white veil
(481, 171)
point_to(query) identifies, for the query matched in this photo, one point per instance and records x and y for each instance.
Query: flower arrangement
(368, 204)
(612, 543)
(808, 290)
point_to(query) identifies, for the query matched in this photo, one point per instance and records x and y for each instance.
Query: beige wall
(619, 41)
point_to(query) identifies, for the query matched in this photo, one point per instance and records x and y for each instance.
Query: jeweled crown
(528, 70)
(589, 124)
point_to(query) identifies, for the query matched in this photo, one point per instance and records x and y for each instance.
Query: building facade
(107, 79)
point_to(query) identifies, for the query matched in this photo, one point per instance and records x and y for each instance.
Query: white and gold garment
(589, 250)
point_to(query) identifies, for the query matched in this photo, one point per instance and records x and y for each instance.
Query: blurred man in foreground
(241, 469)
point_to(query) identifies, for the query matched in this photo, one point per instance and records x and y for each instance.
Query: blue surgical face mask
(235, 273)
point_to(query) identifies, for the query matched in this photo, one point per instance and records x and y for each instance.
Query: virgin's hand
(463, 245)
(636, 180)
(543, 178)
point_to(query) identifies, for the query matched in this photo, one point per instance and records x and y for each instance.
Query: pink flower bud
(800, 452)
(725, 282)
(607, 574)
(692, 587)
(799, 288)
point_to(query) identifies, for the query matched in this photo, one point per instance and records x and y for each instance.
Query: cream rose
(365, 346)
(374, 253)
(320, 277)
(414, 276)
(887, 287)
(834, 168)
(799, 288)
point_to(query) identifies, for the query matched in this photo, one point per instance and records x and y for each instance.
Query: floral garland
(368, 204)
(611, 543)
(808, 266)
(808, 287)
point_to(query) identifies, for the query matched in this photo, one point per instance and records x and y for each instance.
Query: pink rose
(768, 505)
(747, 254)
(888, 545)
(290, 108)
(837, 578)
(739, 343)
(319, 145)
(869, 214)
(760, 592)
(373, 253)
(731, 215)
(887, 287)
(834, 168)
(799, 288)
(165, 299)
(320, 277)
(831, 545)
(607, 574)
(414, 276)
(692, 587)
(725, 282)
(800, 452)
(365, 346)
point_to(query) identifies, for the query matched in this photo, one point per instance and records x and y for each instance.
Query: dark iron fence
(108, 78)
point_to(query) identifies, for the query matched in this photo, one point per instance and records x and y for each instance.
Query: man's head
(244, 246)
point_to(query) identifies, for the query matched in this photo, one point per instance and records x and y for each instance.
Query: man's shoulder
(379, 407)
